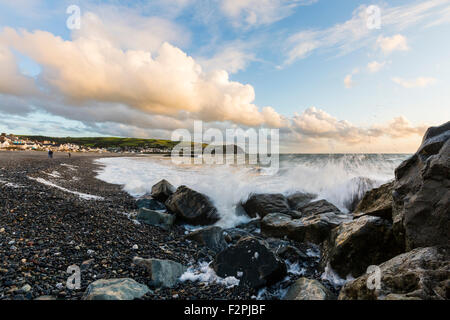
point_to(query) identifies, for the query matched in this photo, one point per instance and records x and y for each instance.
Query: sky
(333, 76)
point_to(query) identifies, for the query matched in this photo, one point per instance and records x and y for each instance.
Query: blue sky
(313, 68)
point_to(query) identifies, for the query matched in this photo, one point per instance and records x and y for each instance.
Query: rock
(46, 298)
(210, 237)
(300, 199)
(318, 207)
(156, 218)
(313, 229)
(355, 245)
(263, 204)
(26, 288)
(252, 262)
(115, 289)
(150, 203)
(376, 202)
(162, 190)
(422, 273)
(308, 289)
(192, 207)
(421, 193)
(252, 226)
(235, 234)
(163, 273)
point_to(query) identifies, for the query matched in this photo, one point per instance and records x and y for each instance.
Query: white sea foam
(331, 275)
(81, 195)
(205, 274)
(334, 178)
(54, 174)
(10, 184)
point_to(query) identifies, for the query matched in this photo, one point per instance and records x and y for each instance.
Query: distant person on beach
(69, 155)
(50, 154)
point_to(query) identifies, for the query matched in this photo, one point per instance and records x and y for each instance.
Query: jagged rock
(115, 289)
(156, 218)
(422, 273)
(299, 199)
(162, 190)
(233, 235)
(421, 193)
(192, 207)
(150, 203)
(308, 289)
(313, 229)
(252, 226)
(252, 262)
(163, 273)
(318, 207)
(210, 237)
(376, 202)
(263, 204)
(285, 250)
(355, 245)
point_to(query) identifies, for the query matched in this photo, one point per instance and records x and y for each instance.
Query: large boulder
(252, 262)
(422, 273)
(308, 289)
(162, 190)
(314, 229)
(163, 273)
(421, 193)
(211, 237)
(156, 218)
(376, 202)
(318, 207)
(263, 204)
(300, 199)
(355, 245)
(149, 203)
(192, 207)
(115, 289)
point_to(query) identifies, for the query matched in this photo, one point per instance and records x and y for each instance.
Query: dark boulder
(192, 207)
(355, 245)
(376, 202)
(299, 199)
(318, 207)
(422, 273)
(162, 190)
(421, 195)
(263, 204)
(210, 237)
(314, 229)
(252, 262)
(150, 203)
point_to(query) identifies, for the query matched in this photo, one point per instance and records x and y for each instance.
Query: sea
(341, 179)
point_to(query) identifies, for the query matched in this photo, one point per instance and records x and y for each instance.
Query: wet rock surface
(264, 204)
(115, 289)
(357, 244)
(421, 193)
(162, 191)
(252, 262)
(377, 202)
(211, 237)
(163, 273)
(308, 289)
(192, 207)
(422, 273)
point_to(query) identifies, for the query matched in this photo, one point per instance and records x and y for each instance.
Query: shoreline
(45, 230)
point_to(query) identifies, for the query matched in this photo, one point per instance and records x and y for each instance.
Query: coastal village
(12, 142)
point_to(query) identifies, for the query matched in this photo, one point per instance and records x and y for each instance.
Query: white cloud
(354, 34)
(420, 82)
(348, 81)
(394, 43)
(260, 12)
(231, 58)
(375, 66)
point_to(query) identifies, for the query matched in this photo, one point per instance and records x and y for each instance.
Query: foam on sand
(81, 195)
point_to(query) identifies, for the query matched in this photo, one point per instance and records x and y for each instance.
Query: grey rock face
(156, 218)
(252, 262)
(314, 229)
(264, 204)
(376, 202)
(299, 199)
(355, 245)
(308, 289)
(162, 190)
(422, 273)
(210, 237)
(318, 207)
(115, 289)
(163, 273)
(421, 209)
(192, 207)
